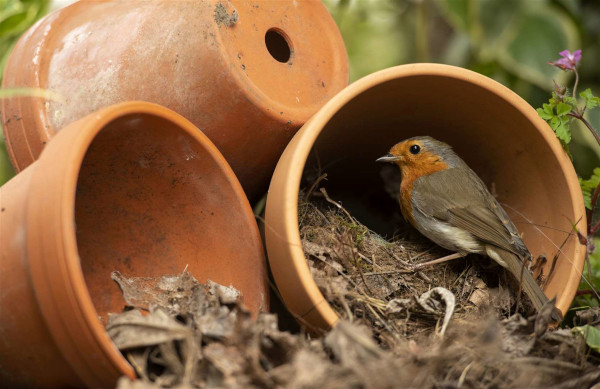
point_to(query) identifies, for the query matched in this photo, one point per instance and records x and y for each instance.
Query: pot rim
(306, 137)
(66, 268)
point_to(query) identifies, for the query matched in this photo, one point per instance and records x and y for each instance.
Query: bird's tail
(530, 286)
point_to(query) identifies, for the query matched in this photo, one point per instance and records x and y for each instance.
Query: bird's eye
(414, 149)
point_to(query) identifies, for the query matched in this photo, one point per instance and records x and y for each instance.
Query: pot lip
(312, 129)
(72, 274)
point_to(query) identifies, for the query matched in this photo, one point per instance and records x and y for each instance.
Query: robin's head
(422, 153)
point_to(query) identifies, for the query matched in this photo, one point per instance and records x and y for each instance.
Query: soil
(372, 281)
(453, 325)
(178, 333)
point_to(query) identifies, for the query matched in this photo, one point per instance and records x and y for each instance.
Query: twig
(397, 258)
(538, 361)
(314, 185)
(136, 366)
(344, 275)
(419, 255)
(590, 213)
(339, 206)
(298, 317)
(555, 259)
(409, 266)
(346, 307)
(382, 273)
(374, 301)
(583, 292)
(463, 375)
(439, 260)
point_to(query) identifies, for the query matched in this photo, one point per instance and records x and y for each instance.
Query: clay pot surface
(495, 131)
(135, 188)
(247, 73)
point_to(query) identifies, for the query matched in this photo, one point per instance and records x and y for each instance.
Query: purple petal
(565, 53)
(563, 64)
(577, 56)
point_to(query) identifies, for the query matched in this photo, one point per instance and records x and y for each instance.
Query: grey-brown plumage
(450, 205)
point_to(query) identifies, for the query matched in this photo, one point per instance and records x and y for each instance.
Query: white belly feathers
(451, 238)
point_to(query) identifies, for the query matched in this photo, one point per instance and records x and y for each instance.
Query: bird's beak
(388, 158)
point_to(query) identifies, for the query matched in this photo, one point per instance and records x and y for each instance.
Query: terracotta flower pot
(247, 73)
(136, 188)
(498, 134)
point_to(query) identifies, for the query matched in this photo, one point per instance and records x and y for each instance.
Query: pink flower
(568, 61)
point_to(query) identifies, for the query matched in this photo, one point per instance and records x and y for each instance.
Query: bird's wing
(460, 198)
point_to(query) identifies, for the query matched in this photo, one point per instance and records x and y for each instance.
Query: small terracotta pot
(498, 134)
(247, 73)
(135, 188)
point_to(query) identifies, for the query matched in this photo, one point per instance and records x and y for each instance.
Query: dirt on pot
(182, 334)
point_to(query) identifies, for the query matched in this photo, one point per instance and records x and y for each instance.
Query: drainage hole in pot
(278, 45)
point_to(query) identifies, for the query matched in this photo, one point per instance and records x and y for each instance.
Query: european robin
(448, 203)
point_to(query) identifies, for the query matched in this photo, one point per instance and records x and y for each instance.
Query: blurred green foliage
(588, 186)
(507, 40)
(590, 299)
(16, 16)
(510, 41)
(591, 335)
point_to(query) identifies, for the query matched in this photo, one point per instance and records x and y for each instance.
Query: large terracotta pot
(135, 188)
(247, 73)
(498, 134)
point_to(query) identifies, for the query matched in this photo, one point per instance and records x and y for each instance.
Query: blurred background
(507, 40)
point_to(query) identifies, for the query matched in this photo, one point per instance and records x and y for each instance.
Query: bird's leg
(439, 260)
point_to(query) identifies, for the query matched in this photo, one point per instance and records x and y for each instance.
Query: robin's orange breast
(429, 164)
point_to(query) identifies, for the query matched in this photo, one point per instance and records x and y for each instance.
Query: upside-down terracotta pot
(497, 133)
(135, 188)
(247, 73)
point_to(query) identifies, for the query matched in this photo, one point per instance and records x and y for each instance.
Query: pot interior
(492, 133)
(152, 200)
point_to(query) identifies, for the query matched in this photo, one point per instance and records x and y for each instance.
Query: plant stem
(591, 231)
(587, 124)
(590, 214)
(576, 82)
(422, 32)
(594, 229)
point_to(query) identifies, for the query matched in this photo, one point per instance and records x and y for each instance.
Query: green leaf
(591, 335)
(588, 186)
(18, 15)
(587, 197)
(587, 94)
(562, 109)
(563, 132)
(546, 112)
(591, 101)
(543, 114)
(570, 100)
